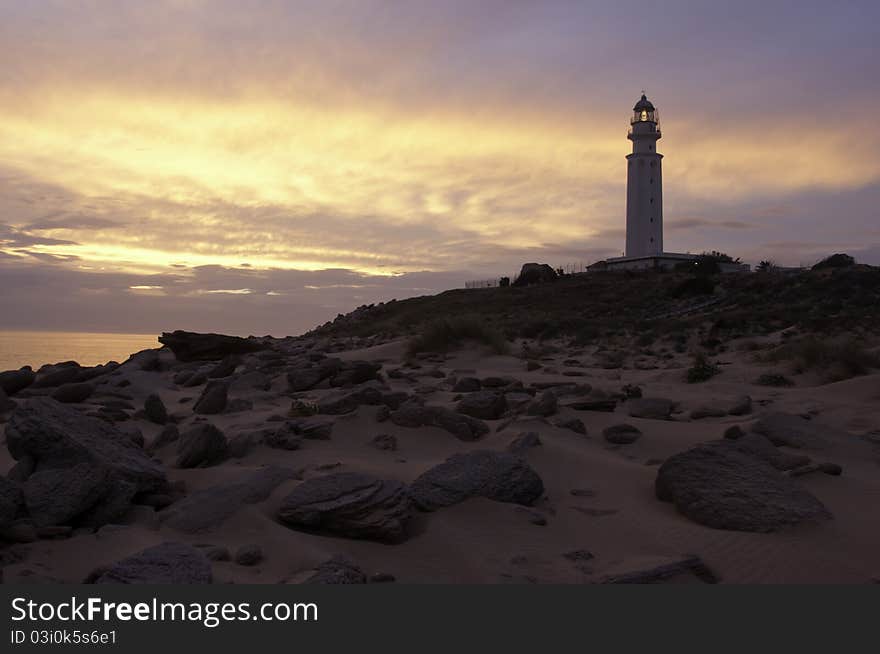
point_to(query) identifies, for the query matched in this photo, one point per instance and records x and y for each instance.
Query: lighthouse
(644, 183)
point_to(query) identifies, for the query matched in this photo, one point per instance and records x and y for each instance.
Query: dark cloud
(10, 237)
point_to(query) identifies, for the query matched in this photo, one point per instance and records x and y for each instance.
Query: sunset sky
(259, 167)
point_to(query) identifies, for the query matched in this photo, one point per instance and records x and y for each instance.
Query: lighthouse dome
(643, 104)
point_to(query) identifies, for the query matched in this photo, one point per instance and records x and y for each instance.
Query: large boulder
(55, 436)
(209, 508)
(56, 375)
(352, 373)
(201, 445)
(497, 476)
(622, 434)
(350, 504)
(168, 563)
(719, 486)
(544, 406)
(308, 374)
(11, 502)
(58, 496)
(214, 398)
(535, 273)
(12, 381)
(465, 428)
(485, 405)
(192, 346)
(5, 403)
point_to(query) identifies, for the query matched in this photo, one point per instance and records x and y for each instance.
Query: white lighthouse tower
(644, 184)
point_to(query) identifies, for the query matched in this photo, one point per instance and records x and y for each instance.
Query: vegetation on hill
(640, 306)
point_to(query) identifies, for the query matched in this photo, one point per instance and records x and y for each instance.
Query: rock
(56, 436)
(19, 532)
(308, 376)
(11, 502)
(286, 437)
(5, 403)
(831, 469)
(500, 382)
(535, 273)
(485, 405)
(226, 367)
(463, 427)
(198, 378)
(170, 434)
(516, 401)
(723, 488)
(383, 413)
(238, 405)
(603, 405)
(23, 469)
(73, 393)
(760, 447)
(796, 431)
(146, 360)
(249, 555)
(545, 406)
(497, 476)
(13, 381)
(622, 434)
(191, 346)
(574, 424)
(113, 506)
(467, 385)
(346, 402)
(352, 373)
(654, 408)
(213, 399)
(65, 374)
(240, 445)
(154, 410)
(209, 508)
(382, 578)
(202, 444)
(689, 567)
(250, 380)
(350, 504)
(524, 442)
(59, 496)
(338, 570)
(707, 412)
(384, 442)
(317, 428)
(168, 563)
(215, 552)
(734, 432)
(741, 406)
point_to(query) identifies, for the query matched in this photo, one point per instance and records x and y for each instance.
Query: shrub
(836, 359)
(449, 333)
(835, 261)
(702, 370)
(773, 379)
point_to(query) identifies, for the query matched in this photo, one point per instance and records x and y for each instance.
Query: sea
(25, 348)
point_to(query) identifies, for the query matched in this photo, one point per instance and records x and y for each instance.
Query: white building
(644, 199)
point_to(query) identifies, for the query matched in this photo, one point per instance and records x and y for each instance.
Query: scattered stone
(350, 504)
(524, 442)
(724, 488)
(382, 578)
(338, 570)
(201, 445)
(574, 424)
(286, 437)
(191, 346)
(689, 566)
(484, 405)
(467, 385)
(215, 552)
(213, 400)
(226, 367)
(545, 406)
(168, 563)
(497, 476)
(533, 517)
(170, 434)
(249, 555)
(795, 431)
(734, 432)
(653, 408)
(253, 380)
(622, 434)
(62, 374)
(11, 501)
(741, 406)
(463, 427)
(583, 492)
(606, 406)
(13, 381)
(154, 409)
(707, 412)
(73, 393)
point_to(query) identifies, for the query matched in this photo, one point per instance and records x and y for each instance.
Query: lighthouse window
(652, 200)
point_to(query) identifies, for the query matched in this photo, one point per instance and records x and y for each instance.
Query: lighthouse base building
(644, 199)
